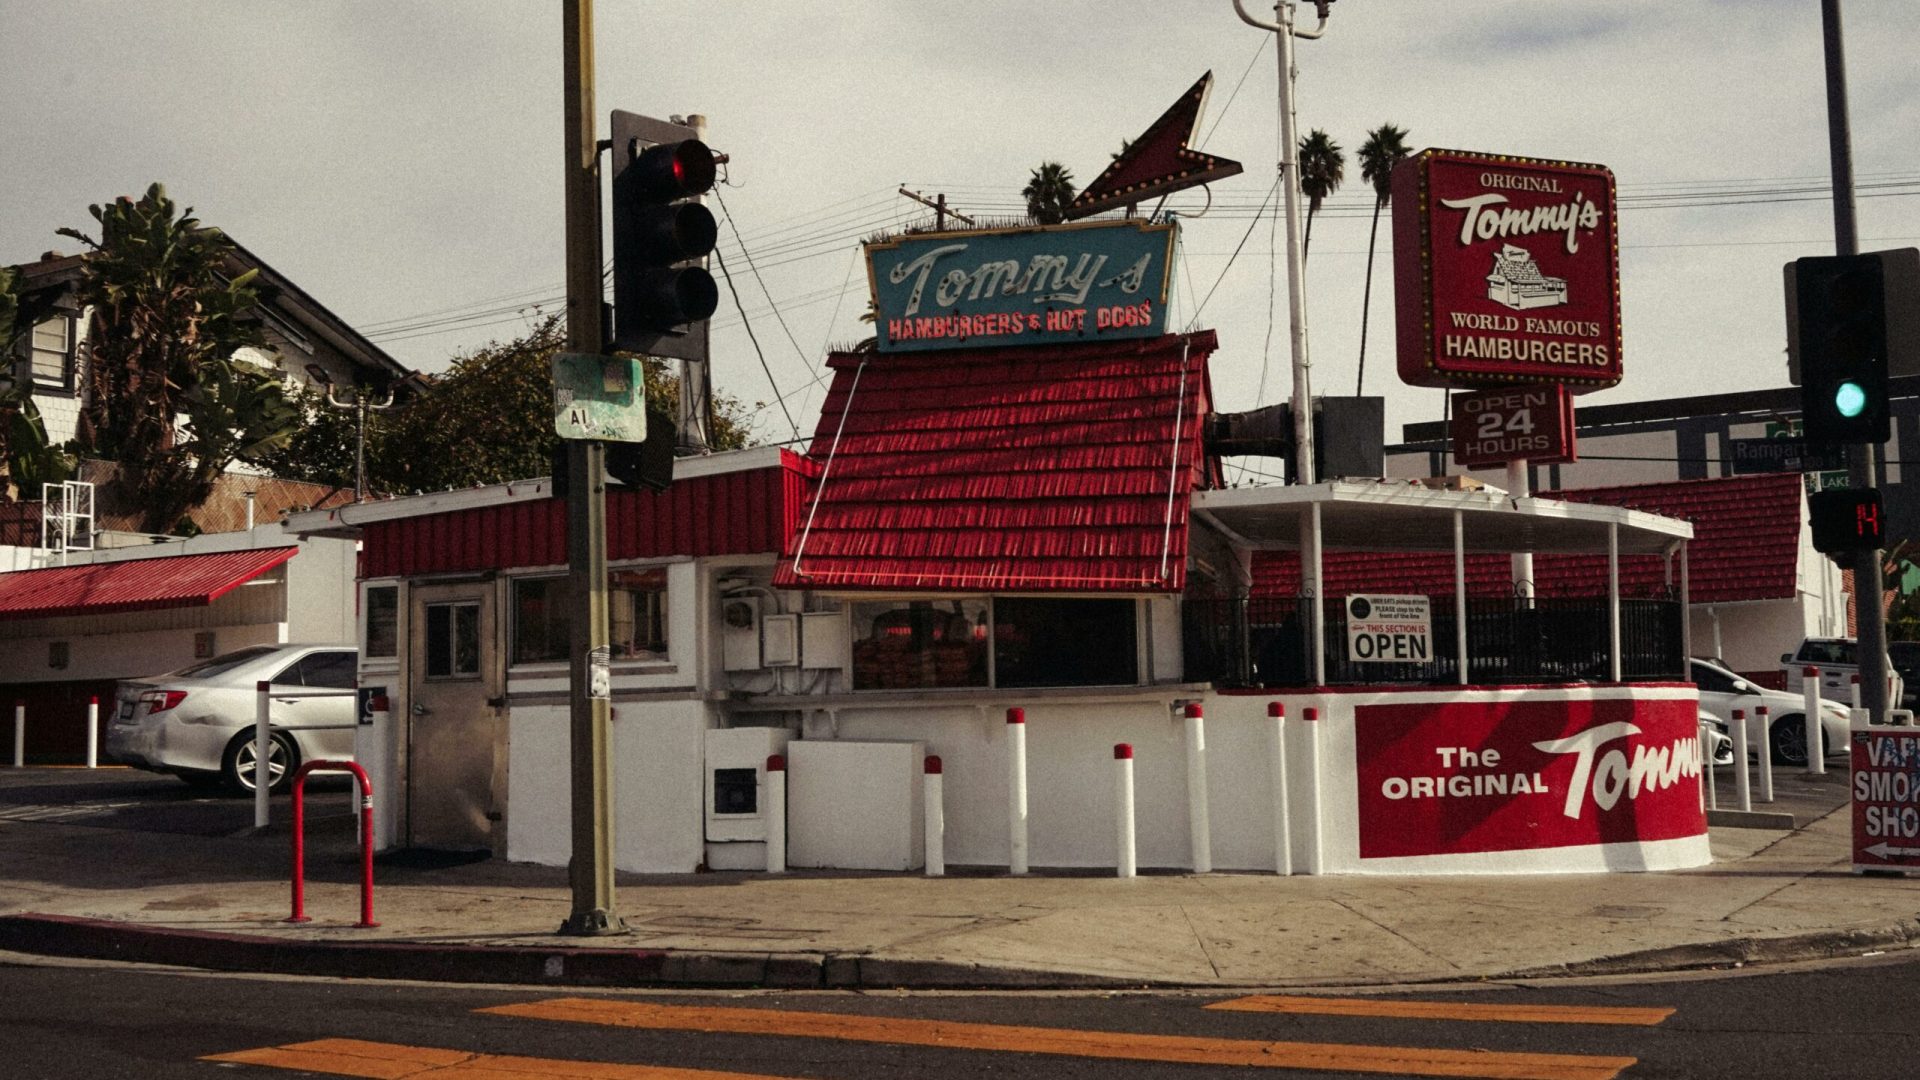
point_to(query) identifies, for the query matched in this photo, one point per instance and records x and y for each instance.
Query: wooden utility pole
(589, 696)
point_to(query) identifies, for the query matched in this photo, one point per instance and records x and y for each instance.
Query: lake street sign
(1781, 455)
(599, 397)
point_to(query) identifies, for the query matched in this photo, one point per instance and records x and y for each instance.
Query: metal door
(454, 725)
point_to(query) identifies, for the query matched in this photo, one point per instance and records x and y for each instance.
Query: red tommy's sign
(1452, 778)
(1506, 270)
(1886, 799)
(1491, 427)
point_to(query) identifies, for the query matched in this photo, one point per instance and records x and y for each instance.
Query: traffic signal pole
(1870, 616)
(589, 697)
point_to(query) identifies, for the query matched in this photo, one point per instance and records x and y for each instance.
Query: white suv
(1838, 664)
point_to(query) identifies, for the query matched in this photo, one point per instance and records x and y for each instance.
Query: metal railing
(1265, 642)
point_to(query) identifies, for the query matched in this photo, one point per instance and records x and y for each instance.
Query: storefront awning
(172, 581)
(1036, 468)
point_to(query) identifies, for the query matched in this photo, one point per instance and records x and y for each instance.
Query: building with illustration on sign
(1517, 282)
(1025, 525)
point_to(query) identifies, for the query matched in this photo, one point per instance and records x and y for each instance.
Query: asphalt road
(99, 1022)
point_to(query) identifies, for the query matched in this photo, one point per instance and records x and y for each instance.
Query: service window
(453, 640)
(1046, 642)
(636, 616)
(921, 644)
(382, 638)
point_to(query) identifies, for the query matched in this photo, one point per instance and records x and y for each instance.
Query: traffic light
(646, 464)
(1846, 519)
(661, 293)
(1842, 344)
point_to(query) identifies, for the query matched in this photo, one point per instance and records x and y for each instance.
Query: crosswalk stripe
(1329, 1057)
(396, 1061)
(1646, 1016)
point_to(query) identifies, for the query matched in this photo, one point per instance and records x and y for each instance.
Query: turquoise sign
(1050, 285)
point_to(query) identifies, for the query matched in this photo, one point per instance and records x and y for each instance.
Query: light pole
(361, 406)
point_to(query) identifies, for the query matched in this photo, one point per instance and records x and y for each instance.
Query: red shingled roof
(133, 585)
(1030, 468)
(1746, 546)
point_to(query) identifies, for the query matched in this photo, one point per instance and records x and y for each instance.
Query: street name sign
(1781, 455)
(599, 397)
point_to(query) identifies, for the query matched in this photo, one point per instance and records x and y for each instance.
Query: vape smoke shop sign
(1389, 629)
(1052, 285)
(1506, 270)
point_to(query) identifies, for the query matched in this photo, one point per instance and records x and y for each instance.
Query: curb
(106, 939)
(1741, 951)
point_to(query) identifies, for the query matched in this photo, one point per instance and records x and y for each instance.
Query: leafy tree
(1386, 146)
(488, 419)
(27, 460)
(166, 323)
(1322, 169)
(1049, 189)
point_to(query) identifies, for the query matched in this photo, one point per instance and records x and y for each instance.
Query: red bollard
(300, 845)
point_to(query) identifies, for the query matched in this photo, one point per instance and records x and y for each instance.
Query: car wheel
(1788, 740)
(237, 765)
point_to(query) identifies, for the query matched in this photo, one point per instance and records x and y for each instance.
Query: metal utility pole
(589, 697)
(1286, 29)
(1870, 616)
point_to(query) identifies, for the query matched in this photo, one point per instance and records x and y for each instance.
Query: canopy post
(1686, 616)
(1520, 486)
(1319, 601)
(1460, 593)
(1613, 598)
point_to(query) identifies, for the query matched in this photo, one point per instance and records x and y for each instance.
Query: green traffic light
(1849, 399)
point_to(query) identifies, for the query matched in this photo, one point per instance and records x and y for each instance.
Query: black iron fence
(1265, 642)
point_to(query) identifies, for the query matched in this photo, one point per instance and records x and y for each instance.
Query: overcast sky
(401, 159)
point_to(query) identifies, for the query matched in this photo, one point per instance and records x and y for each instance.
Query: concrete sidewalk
(218, 901)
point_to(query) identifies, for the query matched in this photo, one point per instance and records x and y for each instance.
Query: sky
(402, 159)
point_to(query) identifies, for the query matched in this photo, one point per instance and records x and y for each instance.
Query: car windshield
(220, 665)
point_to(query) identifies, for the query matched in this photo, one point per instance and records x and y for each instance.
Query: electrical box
(740, 633)
(780, 641)
(856, 805)
(823, 640)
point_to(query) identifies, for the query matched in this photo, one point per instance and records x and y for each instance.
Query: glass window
(1046, 642)
(52, 352)
(920, 644)
(383, 620)
(333, 670)
(636, 616)
(224, 663)
(1711, 680)
(453, 641)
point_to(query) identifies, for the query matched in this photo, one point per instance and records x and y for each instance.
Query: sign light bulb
(1849, 399)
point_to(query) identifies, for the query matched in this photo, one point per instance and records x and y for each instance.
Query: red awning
(133, 585)
(1057, 469)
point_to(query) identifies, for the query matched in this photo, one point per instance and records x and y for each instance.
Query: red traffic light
(674, 170)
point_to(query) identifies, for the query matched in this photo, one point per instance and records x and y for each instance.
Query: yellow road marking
(1449, 1010)
(394, 1061)
(1331, 1057)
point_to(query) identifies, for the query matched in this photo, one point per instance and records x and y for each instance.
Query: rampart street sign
(1048, 285)
(1781, 455)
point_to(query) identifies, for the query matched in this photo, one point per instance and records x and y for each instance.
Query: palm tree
(1048, 192)
(1385, 147)
(1322, 168)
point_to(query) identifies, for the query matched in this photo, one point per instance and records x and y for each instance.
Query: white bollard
(776, 814)
(1277, 779)
(1816, 750)
(1017, 790)
(1126, 863)
(1764, 719)
(1709, 779)
(936, 818)
(20, 734)
(1311, 767)
(1199, 827)
(1742, 777)
(262, 746)
(93, 732)
(1853, 691)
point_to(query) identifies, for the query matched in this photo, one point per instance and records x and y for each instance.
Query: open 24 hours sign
(1506, 270)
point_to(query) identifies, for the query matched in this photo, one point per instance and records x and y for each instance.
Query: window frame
(1141, 658)
(68, 359)
(646, 657)
(453, 672)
